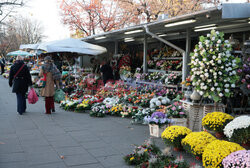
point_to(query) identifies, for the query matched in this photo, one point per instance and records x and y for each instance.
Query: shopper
(20, 79)
(53, 76)
(2, 62)
(107, 72)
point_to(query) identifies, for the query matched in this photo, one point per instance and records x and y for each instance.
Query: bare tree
(20, 31)
(7, 6)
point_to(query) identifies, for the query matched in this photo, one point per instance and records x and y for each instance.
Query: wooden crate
(155, 130)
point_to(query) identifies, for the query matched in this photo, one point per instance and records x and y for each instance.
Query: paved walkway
(63, 139)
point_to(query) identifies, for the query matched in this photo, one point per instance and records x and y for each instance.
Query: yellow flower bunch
(216, 121)
(196, 142)
(174, 134)
(216, 151)
(85, 103)
(116, 110)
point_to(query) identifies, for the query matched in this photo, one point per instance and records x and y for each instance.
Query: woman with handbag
(51, 76)
(20, 79)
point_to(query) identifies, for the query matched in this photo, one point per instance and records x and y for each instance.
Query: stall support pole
(186, 58)
(145, 48)
(116, 47)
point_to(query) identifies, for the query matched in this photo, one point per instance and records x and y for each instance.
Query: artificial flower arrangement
(238, 130)
(173, 78)
(238, 159)
(216, 121)
(98, 110)
(157, 118)
(138, 118)
(129, 111)
(244, 73)
(156, 102)
(149, 155)
(216, 151)
(176, 110)
(196, 142)
(213, 68)
(173, 135)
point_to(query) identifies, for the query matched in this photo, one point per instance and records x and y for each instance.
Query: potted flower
(237, 159)
(176, 112)
(98, 110)
(238, 130)
(173, 136)
(196, 142)
(138, 118)
(216, 121)
(216, 151)
(213, 68)
(157, 123)
(156, 102)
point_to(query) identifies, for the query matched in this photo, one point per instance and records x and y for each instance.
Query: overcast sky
(47, 12)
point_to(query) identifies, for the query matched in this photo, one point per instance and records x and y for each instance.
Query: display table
(196, 111)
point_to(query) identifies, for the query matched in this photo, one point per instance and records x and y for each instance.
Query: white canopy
(28, 46)
(72, 45)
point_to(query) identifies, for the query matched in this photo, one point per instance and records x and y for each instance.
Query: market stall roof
(72, 45)
(218, 18)
(21, 53)
(28, 46)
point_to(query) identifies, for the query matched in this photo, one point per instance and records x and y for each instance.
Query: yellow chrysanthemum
(195, 142)
(216, 151)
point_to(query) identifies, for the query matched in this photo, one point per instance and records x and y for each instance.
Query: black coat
(22, 80)
(107, 72)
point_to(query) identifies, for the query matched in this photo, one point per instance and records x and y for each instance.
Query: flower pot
(219, 135)
(246, 145)
(179, 121)
(155, 130)
(177, 149)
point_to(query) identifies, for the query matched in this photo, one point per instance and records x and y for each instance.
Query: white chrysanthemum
(158, 103)
(221, 95)
(227, 90)
(216, 84)
(227, 85)
(218, 89)
(237, 123)
(219, 41)
(212, 89)
(226, 41)
(233, 85)
(214, 57)
(201, 93)
(208, 35)
(213, 38)
(219, 61)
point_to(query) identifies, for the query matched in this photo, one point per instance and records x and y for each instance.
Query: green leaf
(216, 98)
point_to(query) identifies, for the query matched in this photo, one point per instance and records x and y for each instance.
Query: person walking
(52, 75)
(2, 62)
(20, 80)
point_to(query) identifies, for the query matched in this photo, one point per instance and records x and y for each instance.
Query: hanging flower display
(213, 68)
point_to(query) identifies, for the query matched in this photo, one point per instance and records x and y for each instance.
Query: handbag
(42, 81)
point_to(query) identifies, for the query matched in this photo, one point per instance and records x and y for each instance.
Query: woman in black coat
(20, 83)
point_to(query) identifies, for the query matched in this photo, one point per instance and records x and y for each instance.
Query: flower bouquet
(142, 153)
(129, 111)
(98, 110)
(176, 110)
(173, 78)
(238, 130)
(155, 103)
(216, 121)
(213, 68)
(238, 159)
(196, 142)
(173, 135)
(151, 64)
(84, 105)
(116, 110)
(216, 151)
(138, 118)
(157, 118)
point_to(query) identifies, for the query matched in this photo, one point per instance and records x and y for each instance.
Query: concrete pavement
(63, 139)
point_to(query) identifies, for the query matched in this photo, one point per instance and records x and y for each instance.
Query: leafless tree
(7, 6)
(19, 31)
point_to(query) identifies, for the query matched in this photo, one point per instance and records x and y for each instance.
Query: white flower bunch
(213, 68)
(158, 101)
(237, 123)
(111, 101)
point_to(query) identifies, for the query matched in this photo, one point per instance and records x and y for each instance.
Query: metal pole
(186, 58)
(116, 47)
(145, 48)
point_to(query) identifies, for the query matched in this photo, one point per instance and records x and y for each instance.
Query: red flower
(135, 107)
